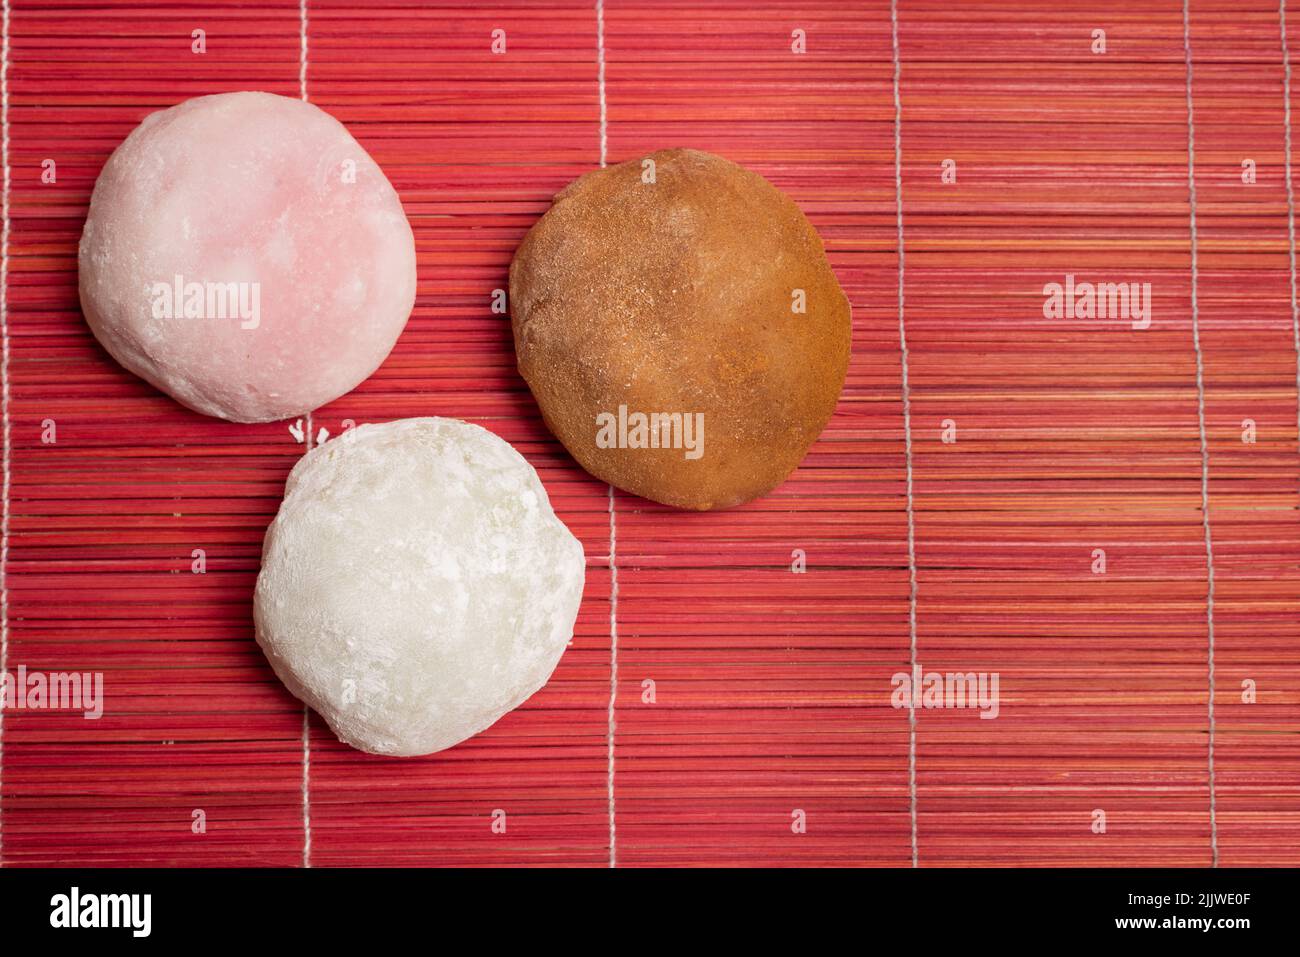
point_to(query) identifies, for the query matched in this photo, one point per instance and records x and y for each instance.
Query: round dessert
(680, 326)
(244, 254)
(416, 584)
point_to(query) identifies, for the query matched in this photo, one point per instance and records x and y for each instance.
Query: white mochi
(416, 584)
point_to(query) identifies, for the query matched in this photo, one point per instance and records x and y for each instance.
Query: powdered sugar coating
(248, 188)
(416, 584)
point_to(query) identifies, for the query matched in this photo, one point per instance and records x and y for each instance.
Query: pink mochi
(244, 254)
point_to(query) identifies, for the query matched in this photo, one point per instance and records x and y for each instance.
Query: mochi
(647, 308)
(244, 254)
(415, 585)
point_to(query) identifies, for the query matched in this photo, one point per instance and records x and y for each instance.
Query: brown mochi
(673, 288)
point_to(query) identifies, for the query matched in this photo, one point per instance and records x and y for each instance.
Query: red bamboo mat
(771, 690)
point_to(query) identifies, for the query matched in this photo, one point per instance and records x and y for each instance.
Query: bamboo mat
(771, 690)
